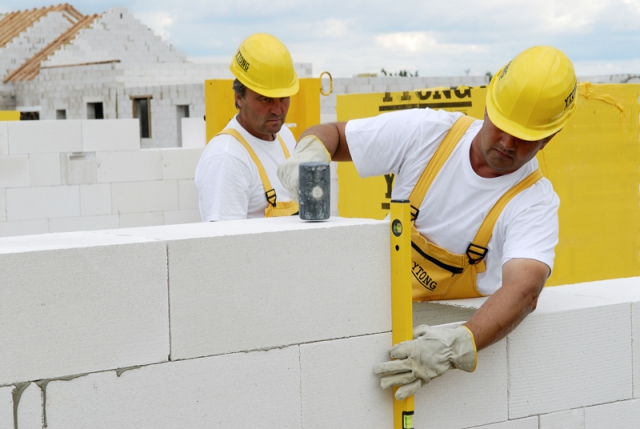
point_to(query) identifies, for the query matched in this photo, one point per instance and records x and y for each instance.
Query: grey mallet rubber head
(314, 195)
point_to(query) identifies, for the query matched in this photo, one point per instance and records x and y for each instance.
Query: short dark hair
(238, 88)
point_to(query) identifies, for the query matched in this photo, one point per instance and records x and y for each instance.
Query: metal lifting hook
(330, 83)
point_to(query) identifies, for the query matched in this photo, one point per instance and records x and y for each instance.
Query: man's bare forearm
(523, 280)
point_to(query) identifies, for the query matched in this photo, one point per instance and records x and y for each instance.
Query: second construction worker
(484, 219)
(236, 174)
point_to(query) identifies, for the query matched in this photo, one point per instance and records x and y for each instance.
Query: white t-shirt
(459, 200)
(228, 181)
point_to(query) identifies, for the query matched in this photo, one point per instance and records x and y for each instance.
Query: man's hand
(432, 352)
(309, 149)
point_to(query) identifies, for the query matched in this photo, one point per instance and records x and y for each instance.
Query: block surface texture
(241, 288)
(246, 390)
(81, 302)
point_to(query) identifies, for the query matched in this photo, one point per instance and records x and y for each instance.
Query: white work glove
(309, 149)
(432, 352)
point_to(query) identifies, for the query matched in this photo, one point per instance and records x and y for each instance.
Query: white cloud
(410, 42)
(422, 42)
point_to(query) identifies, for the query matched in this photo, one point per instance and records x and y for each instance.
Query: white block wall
(115, 35)
(278, 323)
(75, 175)
(82, 175)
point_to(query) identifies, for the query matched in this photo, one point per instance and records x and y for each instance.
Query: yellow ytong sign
(593, 164)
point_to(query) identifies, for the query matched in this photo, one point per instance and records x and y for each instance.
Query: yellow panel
(219, 106)
(304, 110)
(9, 115)
(594, 167)
(593, 163)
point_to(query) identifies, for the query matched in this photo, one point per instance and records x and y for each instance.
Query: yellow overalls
(274, 207)
(437, 273)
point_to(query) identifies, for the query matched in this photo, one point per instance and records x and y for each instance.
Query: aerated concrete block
(635, 327)
(6, 407)
(4, 138)
(570, 419)
(84, 223)
(75, 303)
(44, 169)
(574, 351)
(188, 195)
(618, 415)
(30, 408)
(180, 163)
(134, 166)
(530, 423)
(14, 171)
(182, 216)
(144, 197)
(295, 281)
(248, 390)
(45, 136)
(193, 132)
(3, 205)
(135, 220)
(111, 135)
(43, 202)
(335, 373)
(95, 199)
(482, 394)
(78, 168)
(626, 290)
(24, 227)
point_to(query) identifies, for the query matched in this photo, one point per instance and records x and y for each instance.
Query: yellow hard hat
(534, 95)
(263, 64)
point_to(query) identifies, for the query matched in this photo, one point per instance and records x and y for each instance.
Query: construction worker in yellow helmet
(484, 220)
(236, 174)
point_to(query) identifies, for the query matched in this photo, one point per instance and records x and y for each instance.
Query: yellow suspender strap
(437, 161)
(269, 191)
(486, 229)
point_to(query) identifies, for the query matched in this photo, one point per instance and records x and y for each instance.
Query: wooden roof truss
(31, 68)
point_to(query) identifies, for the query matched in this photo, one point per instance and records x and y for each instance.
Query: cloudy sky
(431, 37)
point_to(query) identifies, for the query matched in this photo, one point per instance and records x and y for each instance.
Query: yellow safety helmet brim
(263, 64)
(534, 95)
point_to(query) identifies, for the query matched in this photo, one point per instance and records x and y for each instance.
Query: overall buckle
(476, 253)
(271, 197)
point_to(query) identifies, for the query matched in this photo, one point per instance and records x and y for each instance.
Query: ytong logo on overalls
(421, 276)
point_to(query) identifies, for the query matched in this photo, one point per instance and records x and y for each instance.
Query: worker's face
(500, 153)
(262, 116)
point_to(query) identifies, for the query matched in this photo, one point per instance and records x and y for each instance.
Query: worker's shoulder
(538, 198)
(426, 117)
(225, 146)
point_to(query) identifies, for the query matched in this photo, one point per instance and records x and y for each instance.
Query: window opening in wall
(95, 111)
(29, 116)
(61, 114)
(142, 111)
(181, 112)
